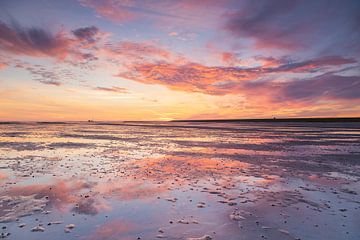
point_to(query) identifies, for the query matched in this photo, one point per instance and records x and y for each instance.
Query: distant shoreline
(335, 119)
(332, 119)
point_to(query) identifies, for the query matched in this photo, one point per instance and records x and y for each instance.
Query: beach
(180, 180)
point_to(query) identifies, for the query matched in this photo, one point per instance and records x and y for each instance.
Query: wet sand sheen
(208, 181)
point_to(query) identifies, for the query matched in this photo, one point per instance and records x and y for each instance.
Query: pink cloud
(217, 80)
(113, 10)
(38, 42)
(135, 50)
(33, 41)
(229, 58)
(3, 65)
(179, 13)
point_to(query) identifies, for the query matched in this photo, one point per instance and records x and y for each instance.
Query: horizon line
(274, 119)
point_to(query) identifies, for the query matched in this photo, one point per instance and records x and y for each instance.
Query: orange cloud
(229, 58)
(191, 77)
(217, 80)
(268, 62)
(2, 65)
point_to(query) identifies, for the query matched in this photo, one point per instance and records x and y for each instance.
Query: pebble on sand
(70, 226)
(160, 236)
(183, 221)
(38, 229)
(236, 216)
(171, 199)
(283, 231)
(201, 205)
(21, 225)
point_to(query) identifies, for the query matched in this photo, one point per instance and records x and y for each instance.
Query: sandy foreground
(196, 181)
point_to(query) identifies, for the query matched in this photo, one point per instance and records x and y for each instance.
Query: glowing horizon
(163, 60)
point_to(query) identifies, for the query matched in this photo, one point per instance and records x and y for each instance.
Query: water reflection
(179, 181)
(114, 229)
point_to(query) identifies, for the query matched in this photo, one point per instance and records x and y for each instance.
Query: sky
(187, 59)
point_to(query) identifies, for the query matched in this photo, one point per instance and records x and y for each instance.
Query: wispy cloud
(51, 82)
(294, 25)
(55, 76)
(161, 13)
(131, 50)
(112, 89)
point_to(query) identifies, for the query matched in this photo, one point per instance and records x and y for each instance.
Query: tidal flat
(180, 180)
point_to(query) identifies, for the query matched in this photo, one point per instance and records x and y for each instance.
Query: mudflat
(180, 180)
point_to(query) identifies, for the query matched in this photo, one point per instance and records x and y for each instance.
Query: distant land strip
(331, 119)
(334, 119)
(31, 122)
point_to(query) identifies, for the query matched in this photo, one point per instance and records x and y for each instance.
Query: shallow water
(134, 180)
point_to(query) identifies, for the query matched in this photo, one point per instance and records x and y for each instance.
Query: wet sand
(180, 180)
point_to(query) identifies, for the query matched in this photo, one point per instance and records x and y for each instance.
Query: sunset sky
(185, 59)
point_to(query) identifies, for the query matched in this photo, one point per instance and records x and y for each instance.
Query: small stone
(205, 237)
(236, 216)
(38, 229)
(70, 226)
(21, 225)
(183, 221)
(171, 199)
(283, 231)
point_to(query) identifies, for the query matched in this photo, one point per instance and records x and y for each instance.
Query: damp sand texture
(180, 180)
